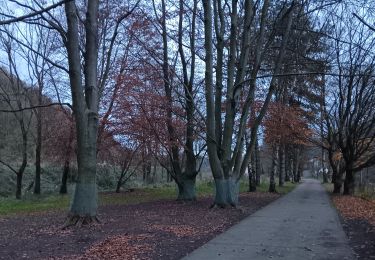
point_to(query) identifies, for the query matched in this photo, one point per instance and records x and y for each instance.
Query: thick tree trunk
(336, 180)
(64, 178)
(212, 144)
(85, 98)
(84, 201)
(334, 175)
(226, 192)
(186, 190)
(349, 183)
(337, 187)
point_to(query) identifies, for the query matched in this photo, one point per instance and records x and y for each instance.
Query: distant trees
(286, 127)
(14, 100)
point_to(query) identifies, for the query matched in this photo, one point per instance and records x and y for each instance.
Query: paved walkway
(300, 225)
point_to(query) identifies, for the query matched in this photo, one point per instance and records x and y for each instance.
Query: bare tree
(13, 92)
(225, 142)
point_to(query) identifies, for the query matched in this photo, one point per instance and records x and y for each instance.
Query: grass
(328, 186)
(34, 203)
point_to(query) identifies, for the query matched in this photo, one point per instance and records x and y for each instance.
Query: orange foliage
(286, 124)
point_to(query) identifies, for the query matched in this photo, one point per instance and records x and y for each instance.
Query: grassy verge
(361, 193)
(33, 203)
(328, 186)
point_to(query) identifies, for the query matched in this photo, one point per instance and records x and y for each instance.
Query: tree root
(79, 221)
(217, 205)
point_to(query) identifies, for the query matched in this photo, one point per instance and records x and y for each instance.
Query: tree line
(130, 82)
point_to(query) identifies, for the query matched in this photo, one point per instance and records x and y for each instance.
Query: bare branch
(372, 28)
(30, 15)
(33, 107)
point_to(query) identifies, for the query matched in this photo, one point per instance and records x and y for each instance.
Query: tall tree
(85, 108)
(225, 142)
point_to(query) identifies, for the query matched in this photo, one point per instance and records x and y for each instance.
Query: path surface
(300, 225)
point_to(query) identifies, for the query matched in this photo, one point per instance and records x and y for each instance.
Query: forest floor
(358, 219)
(162, 229)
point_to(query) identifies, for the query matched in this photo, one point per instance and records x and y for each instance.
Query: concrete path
(301, 225)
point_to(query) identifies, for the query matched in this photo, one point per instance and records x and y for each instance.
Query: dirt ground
(155, 230)
(358, 220)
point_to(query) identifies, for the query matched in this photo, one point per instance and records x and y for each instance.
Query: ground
(358, 220)
(164, 229)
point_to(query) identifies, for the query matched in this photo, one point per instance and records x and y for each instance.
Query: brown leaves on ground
(358, 220)
(125, 247)
(164, 229)
(177, 230)
(356, 208)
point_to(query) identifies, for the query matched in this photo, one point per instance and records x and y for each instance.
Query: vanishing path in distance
(301, 225)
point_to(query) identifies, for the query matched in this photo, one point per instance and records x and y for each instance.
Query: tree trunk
(296, 163)
(349, 183)
(287, 166)
(38, 151)
(281, 165)
(325, 177)
(186, 190)
(23, 165)
(299, 171)
(64, 178)
(252, 181)
(85, 97)
(212, 144)
(252, 174)
(119, 184)
(334, 174)
(272, 187)
(38, 148)
(19, 186)
(337, 187)
(226, 192)
(66, 170)
(258, 166)
(146, 169)
(84, 200)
